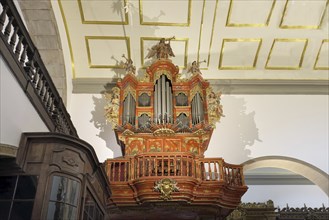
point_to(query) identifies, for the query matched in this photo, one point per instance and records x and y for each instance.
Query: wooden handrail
(27, 66)
(157, 165)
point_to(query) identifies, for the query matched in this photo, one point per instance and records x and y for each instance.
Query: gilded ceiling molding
(85, 21)
(316, 66)
(286, 40)
(174, 24)
(285, 11)
(88, 39)
(229, 86)
(235, 40)
(229, 23)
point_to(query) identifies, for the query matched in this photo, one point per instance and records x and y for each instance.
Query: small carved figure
(215, 109)
(162, 50)
(195, 68)
(112, 107)
(128, 65)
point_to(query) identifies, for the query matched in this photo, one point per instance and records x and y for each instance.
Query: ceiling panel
(238, 40)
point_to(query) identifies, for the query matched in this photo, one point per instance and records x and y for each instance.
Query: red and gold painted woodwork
(164, 154)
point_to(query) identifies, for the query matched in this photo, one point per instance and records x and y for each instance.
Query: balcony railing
(26, 64)
(173, 165)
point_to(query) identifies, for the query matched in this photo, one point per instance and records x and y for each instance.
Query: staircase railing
(26, 64)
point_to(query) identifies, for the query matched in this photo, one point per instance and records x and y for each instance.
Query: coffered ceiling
(235, 40)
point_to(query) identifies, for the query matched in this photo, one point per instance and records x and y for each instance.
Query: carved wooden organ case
(164, 124)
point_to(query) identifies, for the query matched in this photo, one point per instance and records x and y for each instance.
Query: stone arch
(314, 174)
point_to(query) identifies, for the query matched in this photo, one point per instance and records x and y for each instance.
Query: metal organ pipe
(197, 109)
(163, 101)
(155, 103)
(167, 102)
(159, 100)
(128, 108)
(163, 97)
(171, 107)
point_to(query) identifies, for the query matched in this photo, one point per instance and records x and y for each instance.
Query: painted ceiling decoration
(268, 40)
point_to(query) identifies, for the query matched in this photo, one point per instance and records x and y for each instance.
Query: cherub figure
(128, 65)
(112, 107)
(162, 50)
(195, 68)
(214, 107)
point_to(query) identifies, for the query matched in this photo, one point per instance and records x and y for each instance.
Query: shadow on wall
(105, 129)
(235, 133)
(98, 115)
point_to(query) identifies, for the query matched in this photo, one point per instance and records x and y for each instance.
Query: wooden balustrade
(174, 165)
(233, 174)
(24, 59)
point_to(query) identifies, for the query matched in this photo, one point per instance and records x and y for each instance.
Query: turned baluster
(22, 60)
(13, 39)
(40, 84)
(3, 16)
(8, 28)
(215, 170)
(19, 47)
(49, 103)
(36, 78)
(31, 70)
(46, 98)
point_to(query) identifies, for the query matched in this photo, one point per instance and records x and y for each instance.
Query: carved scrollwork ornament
(112, 106)
(166, 187)
(215, 109)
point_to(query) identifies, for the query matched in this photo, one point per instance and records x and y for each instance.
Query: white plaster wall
(265, 125)
(293, 195)
(87, 115)
(17, 114)
(254, 125)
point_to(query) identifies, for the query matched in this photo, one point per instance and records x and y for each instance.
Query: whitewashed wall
(17, 114)
(254, 125)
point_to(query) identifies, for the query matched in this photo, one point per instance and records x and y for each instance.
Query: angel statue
(195, 68)
(128, 65)
(215, 109)
(162, 50)
(112, 106)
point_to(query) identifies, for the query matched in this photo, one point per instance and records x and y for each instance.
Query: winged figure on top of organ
(162, 50)
(164, 105)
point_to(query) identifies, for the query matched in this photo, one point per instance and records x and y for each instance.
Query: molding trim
(276, 180)
(7, 150)
(227, 86)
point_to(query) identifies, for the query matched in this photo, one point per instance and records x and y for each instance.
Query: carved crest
(166, 187)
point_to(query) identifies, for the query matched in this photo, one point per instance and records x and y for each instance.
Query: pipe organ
(163, 124)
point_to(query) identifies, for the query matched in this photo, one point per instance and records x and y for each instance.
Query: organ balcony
(163, 123)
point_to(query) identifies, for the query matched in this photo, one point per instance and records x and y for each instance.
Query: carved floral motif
(112, 107)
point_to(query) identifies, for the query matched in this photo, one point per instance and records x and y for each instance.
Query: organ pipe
(167, 102)
(197, 109)
(129, 110)
(163, 97)
(163, 106)
(159, 100)
(155, 103)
